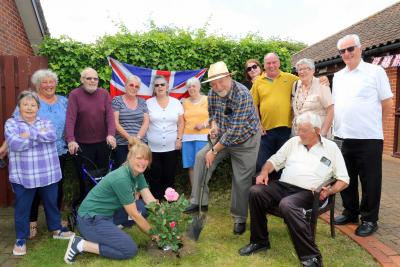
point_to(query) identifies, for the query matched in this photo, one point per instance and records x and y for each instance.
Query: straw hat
(217, 71)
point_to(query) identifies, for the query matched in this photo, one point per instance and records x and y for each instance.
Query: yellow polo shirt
(272, 98)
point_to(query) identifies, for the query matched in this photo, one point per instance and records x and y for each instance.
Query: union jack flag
(176, 79)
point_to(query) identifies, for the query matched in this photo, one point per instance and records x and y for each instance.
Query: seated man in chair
(309, 160)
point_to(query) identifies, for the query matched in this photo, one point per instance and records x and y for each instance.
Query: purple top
(90, 118)
(33, 161)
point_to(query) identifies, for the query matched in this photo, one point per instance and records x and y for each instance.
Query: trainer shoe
(63, 234)
(19, 247)
(72, 250)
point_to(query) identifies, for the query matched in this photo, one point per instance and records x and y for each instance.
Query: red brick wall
(389, 123)
(13, 38)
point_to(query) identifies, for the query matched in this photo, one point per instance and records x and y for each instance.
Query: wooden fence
(15, 75)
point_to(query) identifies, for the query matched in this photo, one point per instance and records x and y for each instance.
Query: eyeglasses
(349, 49)
(91, 78)
(303, 69)
(159, 85)
(134, 85)
(252, 68)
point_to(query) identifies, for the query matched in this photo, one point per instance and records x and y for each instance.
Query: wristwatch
(215, 152)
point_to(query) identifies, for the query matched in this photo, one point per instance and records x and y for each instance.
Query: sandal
(32, 230)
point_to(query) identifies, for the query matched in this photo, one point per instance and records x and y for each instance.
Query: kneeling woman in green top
(116, 190)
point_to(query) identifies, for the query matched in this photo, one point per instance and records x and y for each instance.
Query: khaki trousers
(243, 160)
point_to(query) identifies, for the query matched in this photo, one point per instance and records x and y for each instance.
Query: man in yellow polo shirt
(271, 93)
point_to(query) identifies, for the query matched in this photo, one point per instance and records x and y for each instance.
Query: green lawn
(217, 247)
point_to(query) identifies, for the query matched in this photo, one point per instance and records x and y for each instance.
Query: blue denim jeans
(270, 143)
(23, 202)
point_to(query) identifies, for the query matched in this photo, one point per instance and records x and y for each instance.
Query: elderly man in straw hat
(234, 123)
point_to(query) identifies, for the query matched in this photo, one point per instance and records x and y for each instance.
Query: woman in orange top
(196, 124)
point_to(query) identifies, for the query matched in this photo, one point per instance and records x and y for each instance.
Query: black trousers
(161, 174)
(292, 202)
(60, 194)
(363, 159)
(92, 156)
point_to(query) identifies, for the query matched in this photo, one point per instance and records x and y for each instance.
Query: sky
(307, 21)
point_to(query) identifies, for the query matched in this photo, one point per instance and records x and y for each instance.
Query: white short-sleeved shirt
(357, 96)
(304, 168)
(163, 127)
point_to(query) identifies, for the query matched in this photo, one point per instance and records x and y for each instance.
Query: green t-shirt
(114, 191)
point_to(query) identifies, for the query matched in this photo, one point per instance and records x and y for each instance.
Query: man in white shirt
(362, 99)
(309, 160)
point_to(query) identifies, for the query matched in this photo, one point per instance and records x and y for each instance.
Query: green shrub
(164, 49)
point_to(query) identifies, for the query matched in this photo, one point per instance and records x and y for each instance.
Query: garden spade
(199, 219)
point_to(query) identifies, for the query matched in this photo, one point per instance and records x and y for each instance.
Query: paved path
(384, 245)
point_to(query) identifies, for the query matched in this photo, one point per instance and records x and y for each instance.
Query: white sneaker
(19, 247)
(63, 234)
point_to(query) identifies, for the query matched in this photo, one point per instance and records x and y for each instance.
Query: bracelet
(138, 137)
(179, 138)
(215, 152)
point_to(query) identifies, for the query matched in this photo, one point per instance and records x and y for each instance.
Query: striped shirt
(33, 161)
(234, 114)
(130, 119)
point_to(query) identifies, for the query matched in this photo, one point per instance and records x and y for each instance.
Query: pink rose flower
(172, 224)
(171, 194)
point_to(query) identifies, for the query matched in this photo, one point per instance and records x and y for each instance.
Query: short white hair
(354, 37)
(86, 70)
(39, 75)
(309, 117)
(193, 81)
(305, 61)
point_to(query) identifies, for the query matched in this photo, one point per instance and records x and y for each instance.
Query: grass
(217, 246)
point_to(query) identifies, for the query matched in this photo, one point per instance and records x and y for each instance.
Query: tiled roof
(379, 29)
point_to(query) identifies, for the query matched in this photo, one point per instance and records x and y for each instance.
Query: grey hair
(39, 75)
(305, 61)
(193, 81)
(83, 72)
(133, 77)
(309, 117)
(355, 38)
(272, 53)
(28, 94)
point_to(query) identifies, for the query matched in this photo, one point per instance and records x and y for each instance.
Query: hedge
(164, 49)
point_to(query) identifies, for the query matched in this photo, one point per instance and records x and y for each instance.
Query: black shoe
(313, 262)
(195, 208)
(344, 219)
(239, 228)
(72, 250)
(253, 248)
(366, 228)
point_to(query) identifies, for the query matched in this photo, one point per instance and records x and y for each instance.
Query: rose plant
(168, 221)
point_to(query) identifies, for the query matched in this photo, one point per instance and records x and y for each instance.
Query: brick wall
(389, 123)
(13, 38)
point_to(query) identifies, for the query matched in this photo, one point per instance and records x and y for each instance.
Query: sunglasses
(134, 85)
(91, 78)
(251, 68)
(159, 85)
(349, 49)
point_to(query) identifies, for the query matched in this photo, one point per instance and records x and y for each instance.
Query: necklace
(301, 98)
